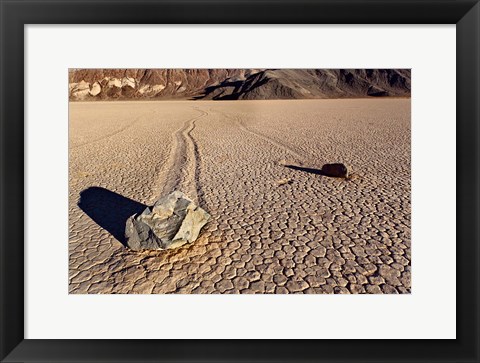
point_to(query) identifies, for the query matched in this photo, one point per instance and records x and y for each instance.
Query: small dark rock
(335, 170)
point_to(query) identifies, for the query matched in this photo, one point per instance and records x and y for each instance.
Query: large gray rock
(173, 221)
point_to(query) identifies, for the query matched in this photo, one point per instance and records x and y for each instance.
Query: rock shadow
(307, 170)
(335, 170)
(109, 210)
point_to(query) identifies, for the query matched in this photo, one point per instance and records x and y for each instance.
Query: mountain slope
(228, 84)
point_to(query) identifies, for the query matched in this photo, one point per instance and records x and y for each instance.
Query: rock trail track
(268, 139)
(180, 172)
(314, 235)
(103, 137)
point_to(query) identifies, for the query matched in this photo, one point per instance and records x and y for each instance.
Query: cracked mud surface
(312, 234)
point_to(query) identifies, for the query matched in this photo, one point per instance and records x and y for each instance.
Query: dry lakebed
(277, 224)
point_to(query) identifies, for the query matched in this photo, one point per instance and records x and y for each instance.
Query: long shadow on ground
(109, 210)
(307, 170)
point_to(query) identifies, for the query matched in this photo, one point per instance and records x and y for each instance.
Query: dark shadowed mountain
(236, 84)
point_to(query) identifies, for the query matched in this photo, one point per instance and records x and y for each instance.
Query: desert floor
(274, 229)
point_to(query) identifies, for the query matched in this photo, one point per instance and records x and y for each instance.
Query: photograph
(181, 157)
(239, 181)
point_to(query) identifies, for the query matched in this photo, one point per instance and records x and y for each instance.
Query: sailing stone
(171, 222)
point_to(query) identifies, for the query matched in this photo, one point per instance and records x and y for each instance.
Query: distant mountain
(236, 84)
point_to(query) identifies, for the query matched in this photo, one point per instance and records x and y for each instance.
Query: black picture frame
(17, 13)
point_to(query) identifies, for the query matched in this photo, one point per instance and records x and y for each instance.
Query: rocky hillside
(233, 84)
